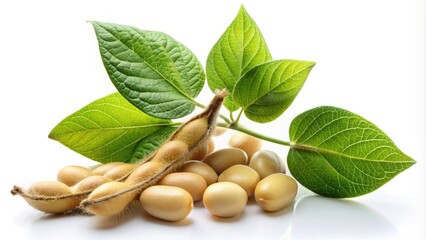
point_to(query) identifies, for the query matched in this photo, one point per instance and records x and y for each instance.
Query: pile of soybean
(223, 180)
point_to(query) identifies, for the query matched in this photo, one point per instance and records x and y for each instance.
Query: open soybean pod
(57, 197)
(170, 157)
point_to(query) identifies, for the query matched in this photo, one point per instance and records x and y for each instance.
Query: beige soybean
(120, 171)
(193, 131)
(111, 206)
(143, 172)
(102, 169)
(113, 197)
(244, 176)
(40, 190)
(275, 192)
(225, 199)
(90, 183)
(166, 202)
(201, 169)
(245, 142)
(224, 158)
(170, 151)
(70, 175)
(219, 131)
(191, 182)
(266, 162)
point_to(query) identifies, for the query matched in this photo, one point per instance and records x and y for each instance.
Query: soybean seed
(244, 176)
(225, 199)
(191, 182)
(120, 171)
(266, 162)
(102, 169)
(201, 169)
(90, 183)
(70, 175)
(167, 202)
(247, 143)
(275, 192)
(222, 159)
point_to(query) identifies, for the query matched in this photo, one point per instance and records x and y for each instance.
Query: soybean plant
(333, 152)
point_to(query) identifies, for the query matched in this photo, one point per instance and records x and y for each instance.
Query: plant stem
(231, 117)
(231, 124)
(243, 129)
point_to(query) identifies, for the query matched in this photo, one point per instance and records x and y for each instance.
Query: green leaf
(240, 48)
(151, 143)
(107, 129)
(150, 69)
(337, 153)
(268, 89)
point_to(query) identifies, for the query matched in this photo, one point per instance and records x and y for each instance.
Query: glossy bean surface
(225, 199)
(245, 142)
(201, 169)
(167, 202)
(191, 182)
(70, 175)
(224, 158)
(266, 162)
(275, 192)
(244, 176)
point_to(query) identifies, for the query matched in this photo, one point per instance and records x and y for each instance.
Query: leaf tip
(51, 135)
(94, 23)
(242, 11)
(54, 133)
(311, 64)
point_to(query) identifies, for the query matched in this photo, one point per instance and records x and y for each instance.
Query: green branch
(243, 129)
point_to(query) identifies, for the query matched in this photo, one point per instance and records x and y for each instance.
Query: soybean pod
(168, 158)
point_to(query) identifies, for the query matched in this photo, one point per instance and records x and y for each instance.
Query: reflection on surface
(253, 223)
(317, 217)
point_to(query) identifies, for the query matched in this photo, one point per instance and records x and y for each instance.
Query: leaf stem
(200, 105)
(238, 117)
(240, 128)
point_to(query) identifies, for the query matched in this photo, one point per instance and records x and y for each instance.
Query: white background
(370, 60)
